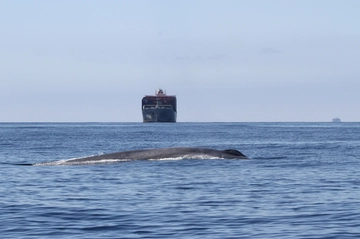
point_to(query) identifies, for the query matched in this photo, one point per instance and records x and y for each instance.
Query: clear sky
(227, 61)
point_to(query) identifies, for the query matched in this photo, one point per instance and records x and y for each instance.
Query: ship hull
(159, 115)
(159, 107)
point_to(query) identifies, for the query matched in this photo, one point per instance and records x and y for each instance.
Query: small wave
(270, 158)
(186, 157)
(76, 161)
(67, 162)
(175, 158)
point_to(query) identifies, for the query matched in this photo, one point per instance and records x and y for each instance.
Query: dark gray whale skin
(167, 153)
(160, 153)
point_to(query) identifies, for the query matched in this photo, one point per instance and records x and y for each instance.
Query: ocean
(302, 181)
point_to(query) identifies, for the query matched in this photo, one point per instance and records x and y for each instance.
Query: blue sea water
(302, 181)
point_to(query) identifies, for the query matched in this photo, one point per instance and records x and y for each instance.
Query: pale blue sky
(258, 60)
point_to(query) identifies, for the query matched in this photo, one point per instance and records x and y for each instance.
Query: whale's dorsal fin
(233, 152)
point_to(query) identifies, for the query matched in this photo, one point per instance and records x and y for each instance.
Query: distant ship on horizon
(336, 120)
(159, 107)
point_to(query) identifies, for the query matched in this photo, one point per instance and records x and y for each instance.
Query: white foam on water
(65, 162)
(190, 156)
(74, 161)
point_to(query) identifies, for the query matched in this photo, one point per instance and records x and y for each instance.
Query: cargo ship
(159, 107)
(336, 120)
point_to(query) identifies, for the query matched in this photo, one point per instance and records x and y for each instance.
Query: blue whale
(146, 154)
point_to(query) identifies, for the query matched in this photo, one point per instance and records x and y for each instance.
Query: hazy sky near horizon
(259, 60)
